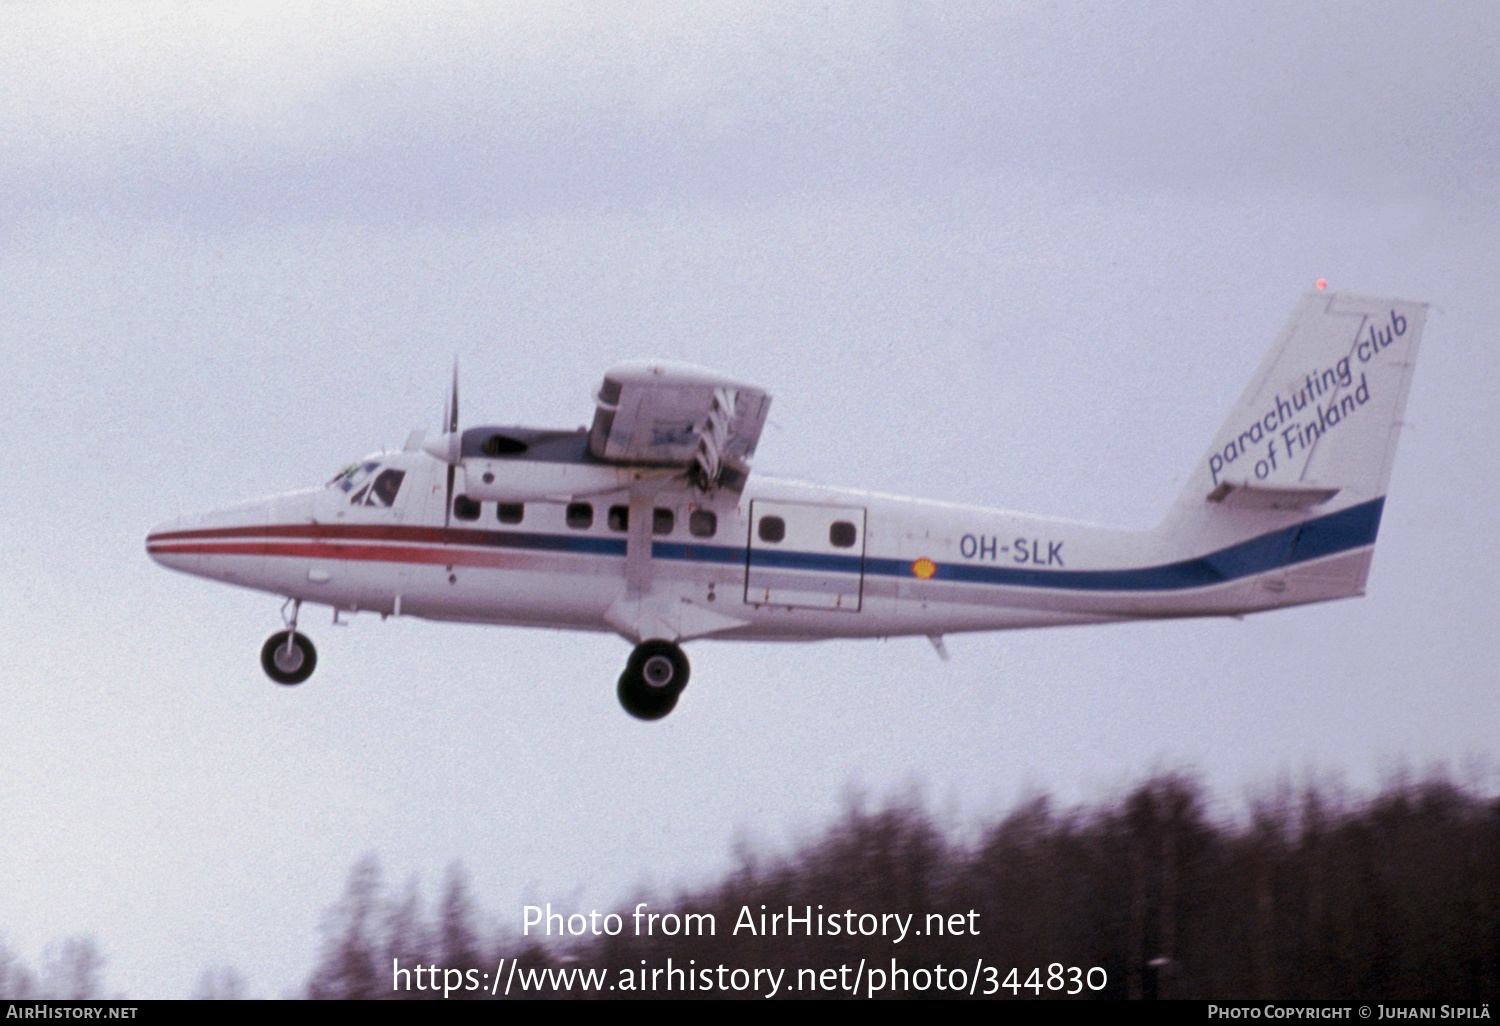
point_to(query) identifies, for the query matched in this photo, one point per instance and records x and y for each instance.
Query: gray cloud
(405, 113)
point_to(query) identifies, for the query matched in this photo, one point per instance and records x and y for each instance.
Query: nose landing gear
(288, 657)
(653, 678)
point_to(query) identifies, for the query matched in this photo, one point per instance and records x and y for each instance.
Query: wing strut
(638, 540)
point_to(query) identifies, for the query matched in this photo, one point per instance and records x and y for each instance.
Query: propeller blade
(450, 417)
(448, 507)
(453, 408)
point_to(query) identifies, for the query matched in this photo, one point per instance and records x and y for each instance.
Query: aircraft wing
(655, 413)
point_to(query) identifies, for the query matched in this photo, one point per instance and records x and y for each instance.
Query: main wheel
(288, 664)
(653, 678)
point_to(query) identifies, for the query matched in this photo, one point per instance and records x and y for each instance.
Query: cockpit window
(383, 491)
(357, 478)
(353, 475)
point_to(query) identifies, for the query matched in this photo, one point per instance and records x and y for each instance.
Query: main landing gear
(288, 657)
(653, 678)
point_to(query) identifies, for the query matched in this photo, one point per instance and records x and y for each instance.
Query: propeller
(447, 447)
(453, 441)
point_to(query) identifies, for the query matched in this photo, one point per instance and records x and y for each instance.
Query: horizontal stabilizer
(1243, 495)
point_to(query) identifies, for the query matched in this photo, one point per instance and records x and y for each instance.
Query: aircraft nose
(165, 540)
(197, 543)
(160, 534)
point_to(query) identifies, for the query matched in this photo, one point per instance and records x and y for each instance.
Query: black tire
(288, 668)
(653, 679)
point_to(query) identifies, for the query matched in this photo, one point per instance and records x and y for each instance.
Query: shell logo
(923, 568)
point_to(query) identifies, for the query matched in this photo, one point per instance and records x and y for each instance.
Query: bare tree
(16, 981)
(348, 967)
(76, 973)
(457, 940)
(220, 984)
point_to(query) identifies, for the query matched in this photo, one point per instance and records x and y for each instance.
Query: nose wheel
(653, 678)
(289, 657)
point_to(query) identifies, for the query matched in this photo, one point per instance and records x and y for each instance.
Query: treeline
(72, 972)
(1391, 898)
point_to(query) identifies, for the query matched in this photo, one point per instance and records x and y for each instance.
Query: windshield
(356, 478)
(353, 475)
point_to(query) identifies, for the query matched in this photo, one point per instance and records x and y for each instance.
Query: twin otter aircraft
(650, 524)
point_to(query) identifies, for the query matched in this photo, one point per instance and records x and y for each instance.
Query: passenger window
(772, 529)
(619, 518)
(580, 515)
(662, 520)
(510, 512)
(383, 491)
(703, 523)
(842, 534)
(465, 508)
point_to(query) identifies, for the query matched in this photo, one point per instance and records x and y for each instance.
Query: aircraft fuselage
(841, 562)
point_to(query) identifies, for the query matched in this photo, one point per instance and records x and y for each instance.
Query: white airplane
(650, 524)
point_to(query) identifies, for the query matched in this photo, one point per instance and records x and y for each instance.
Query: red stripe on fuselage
(359, 532)
(422, 555)
(444, 555)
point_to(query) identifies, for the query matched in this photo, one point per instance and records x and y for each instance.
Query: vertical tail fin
(1312, 439)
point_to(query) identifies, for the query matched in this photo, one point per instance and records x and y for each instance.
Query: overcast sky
(1023, 255)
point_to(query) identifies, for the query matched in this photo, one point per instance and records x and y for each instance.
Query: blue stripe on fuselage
(536, 541)
(1347, 529)
(724, 554)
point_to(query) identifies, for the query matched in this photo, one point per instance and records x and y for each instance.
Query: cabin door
(805, 554)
